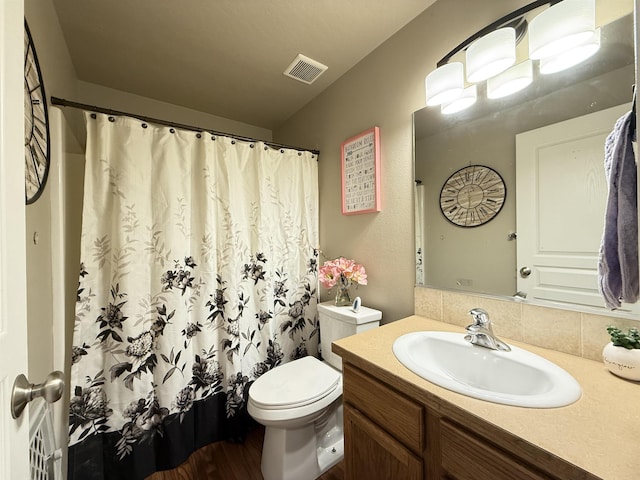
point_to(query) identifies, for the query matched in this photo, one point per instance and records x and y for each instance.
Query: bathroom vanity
(400, 426)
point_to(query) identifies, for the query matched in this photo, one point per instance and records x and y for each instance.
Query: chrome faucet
(481, 333)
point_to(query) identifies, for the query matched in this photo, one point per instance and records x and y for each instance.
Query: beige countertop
(600, 433)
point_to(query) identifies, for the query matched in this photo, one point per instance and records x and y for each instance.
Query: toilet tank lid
(345, 314)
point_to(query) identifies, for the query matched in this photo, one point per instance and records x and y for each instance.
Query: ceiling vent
(304, 69)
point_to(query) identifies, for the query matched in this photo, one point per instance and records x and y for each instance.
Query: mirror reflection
(483, 256)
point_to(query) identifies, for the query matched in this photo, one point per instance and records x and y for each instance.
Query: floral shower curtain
(420, 232)
(198, 274)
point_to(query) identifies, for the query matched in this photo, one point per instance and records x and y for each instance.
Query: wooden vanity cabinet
(389, 435)
(373, 453)
(383, 430)
(465, 456)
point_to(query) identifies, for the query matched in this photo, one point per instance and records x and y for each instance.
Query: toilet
(300, 402)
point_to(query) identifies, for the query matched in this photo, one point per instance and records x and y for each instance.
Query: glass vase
(342, 293)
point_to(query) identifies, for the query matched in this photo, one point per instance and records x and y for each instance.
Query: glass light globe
(467, 98)
(571, 57)
(510, 81)
(444, 84)
(561, 27)
(491, 54)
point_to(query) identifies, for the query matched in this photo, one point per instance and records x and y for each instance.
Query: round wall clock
(472, 196)
(37, 148)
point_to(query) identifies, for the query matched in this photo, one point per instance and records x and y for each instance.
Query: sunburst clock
(37, 147)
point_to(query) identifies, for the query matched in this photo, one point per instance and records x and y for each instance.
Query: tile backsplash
(577, 333)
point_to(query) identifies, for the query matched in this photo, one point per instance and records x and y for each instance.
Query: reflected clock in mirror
(472, 196)
(483, 260)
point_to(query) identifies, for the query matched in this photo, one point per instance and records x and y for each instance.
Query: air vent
(304, 69)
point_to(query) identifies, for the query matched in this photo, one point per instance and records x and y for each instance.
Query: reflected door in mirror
(561, 186)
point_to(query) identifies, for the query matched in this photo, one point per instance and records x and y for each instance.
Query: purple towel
(618, 259)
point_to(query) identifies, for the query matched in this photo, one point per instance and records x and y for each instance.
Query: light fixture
(561, 27)
(488, 57)
(467, 98)
(571, 57)
(445, 83)
(510, 81)
(560, 37)
(491, 54)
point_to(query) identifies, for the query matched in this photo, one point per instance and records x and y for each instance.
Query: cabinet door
(467, 457)
(372, 454)
(401, 417)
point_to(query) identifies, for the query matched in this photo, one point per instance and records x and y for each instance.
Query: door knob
(23, 391)
(525, 272)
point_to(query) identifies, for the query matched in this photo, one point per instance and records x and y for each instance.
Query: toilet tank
(340, 322)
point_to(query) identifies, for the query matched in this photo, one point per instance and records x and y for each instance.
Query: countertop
(600, 433)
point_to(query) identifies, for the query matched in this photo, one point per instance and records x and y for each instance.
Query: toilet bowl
(300, 403)
(296, 402)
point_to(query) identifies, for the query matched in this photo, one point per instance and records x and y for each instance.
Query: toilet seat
(294, 384)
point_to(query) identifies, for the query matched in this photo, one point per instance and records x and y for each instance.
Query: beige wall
(449, 262)
(384, 89)
(93, 94)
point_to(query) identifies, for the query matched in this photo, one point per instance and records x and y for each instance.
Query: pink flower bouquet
(343, 272)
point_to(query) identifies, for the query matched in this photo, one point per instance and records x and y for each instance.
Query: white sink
(517, 377)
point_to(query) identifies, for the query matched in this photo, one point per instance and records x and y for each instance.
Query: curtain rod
(68, 103)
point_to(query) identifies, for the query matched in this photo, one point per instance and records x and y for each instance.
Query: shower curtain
(199, 274)
(420, 232)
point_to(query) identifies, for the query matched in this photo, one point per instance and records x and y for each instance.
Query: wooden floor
(230, 461)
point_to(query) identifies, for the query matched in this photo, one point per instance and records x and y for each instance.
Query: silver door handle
(525, 272)
(23, 391)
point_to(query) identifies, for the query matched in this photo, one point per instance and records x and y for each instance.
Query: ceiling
(225, 57)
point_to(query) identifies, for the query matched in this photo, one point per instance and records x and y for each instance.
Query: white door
(561, 193)
(14, 441)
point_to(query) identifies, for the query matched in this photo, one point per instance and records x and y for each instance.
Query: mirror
(482, 259)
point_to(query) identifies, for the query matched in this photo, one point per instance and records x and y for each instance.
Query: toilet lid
(294, 384)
